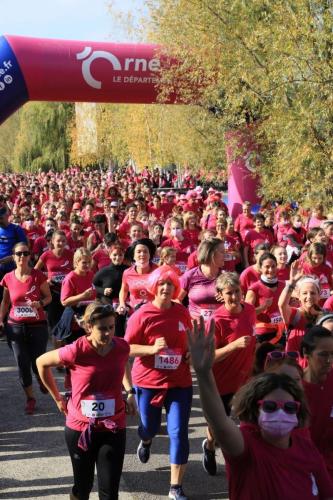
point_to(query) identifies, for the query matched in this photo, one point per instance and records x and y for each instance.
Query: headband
(308, 279)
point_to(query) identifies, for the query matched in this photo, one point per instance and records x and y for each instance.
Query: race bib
(24, 312)
(167, 360)
(98, 408)
(207, 313)
(276, 318)
(182, 266)
(325, 293)
(59, 278)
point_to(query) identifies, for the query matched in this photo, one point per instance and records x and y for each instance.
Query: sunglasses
(269, 406)
(24, 253)
(276, 355)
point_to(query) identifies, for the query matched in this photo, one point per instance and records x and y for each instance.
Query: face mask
(297, 224)
(47, 228)
(176, 232)
(278, 423)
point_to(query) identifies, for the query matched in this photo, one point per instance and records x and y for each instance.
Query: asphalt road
(34, 462)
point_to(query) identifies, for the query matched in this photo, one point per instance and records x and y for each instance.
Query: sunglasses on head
(276, 355)
(24, 253)
(270, 406)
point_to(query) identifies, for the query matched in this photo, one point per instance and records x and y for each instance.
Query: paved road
(34, 462)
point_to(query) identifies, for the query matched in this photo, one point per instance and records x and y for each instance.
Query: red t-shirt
(101, 258)
(283, 274)
(20, 293)
(57, 267)
(74, 284)
(249, 276)
(329, 304)
(243, 224)
(192, 260)
(137, 285)
(272, 314)
(183, 248)
(75, 244)
(320, 401)
(232, 372)
(297, 325)
(324, 275)
(40, 245)
(296, 235)
(167, 368)
(253, 238)
(95, 377)
(34, 233)
(265, 472)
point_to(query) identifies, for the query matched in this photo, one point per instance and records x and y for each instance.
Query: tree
(262, 61)
(43, 139)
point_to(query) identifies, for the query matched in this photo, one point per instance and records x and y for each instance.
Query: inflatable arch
(36, 69)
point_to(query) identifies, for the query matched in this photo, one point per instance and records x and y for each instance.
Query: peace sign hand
(201, 346)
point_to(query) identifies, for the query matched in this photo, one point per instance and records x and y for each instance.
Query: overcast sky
(68, 19)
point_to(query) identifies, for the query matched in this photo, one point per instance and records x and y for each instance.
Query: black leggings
(107, 451)
(28, 342)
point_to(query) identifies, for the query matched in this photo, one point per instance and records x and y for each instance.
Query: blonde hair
(79, 253)
(227, 279)
(166, 252)
(187, 216)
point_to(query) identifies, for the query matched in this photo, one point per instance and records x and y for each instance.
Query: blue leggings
(177, 405)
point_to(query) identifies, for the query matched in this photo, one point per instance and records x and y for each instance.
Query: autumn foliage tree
(262, 61)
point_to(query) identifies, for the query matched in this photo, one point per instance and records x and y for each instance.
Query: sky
(95, 20)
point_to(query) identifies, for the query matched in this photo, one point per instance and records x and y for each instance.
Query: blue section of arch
(13, 90)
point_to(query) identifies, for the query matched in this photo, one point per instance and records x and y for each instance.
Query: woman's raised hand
(201, 346)
(295, 271)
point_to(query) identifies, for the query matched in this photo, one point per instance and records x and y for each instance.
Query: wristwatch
(130, 391)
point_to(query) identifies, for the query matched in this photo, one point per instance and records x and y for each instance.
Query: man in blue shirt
(10, 234)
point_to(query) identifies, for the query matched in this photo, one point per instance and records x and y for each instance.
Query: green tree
(8, 135)
(43, 139)
(262, 61)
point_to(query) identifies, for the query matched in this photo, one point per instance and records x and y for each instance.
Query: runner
(108, 282)
(317, 348)
(265, 458)
(25, 293)
(161, 374)
(199, 283)
(234, 351)
(264, 295)
(58, 262)
(135, 279)
(95, 414)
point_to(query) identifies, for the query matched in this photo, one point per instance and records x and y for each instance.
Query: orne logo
(88, 56)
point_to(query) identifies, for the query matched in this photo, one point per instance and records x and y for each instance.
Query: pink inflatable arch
(39, 69)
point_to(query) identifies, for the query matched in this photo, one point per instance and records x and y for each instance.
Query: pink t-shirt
(249, 276)
(183, 248)
(20, 293)
(201, 293)
(253, 238)
(167, 368)
(101, 258)
(74, 284)
(137, 285)
(57, 267)
(272, 314)
(233, 371)
(95, 377)
(40, 245)
(266, 472)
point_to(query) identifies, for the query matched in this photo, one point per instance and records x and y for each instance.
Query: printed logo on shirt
(32, 289)
(181, 327)
(65, 264)
(315, 491)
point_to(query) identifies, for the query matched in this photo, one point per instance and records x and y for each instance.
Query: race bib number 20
(97, 408)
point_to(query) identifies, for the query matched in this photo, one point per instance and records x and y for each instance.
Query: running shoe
(176, 493)
(143, 452)
(208, 459)
(30, 406)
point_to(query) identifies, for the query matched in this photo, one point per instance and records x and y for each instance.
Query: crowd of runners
(140, 286)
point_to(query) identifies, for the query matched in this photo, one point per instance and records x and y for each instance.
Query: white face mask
(48, 227)
(297, 224)
(177, 232)
(278, 423)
